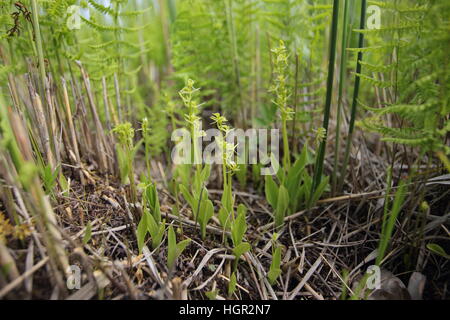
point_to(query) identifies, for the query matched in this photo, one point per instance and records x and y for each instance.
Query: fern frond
(375, 82)
(388, 46)
(99, 27)
(377, 67)
(101, 8)
(413, 27)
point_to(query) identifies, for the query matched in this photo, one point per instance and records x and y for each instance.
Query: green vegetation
(133, 134)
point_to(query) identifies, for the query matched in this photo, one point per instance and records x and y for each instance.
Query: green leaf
(232, 284)
(239, 226)
(124, 167)
(319, 191)
(241, 175)
(294, 180)
(389, 221)
(182, 245)
(183, 171)
(156, 230)
(205, 214)
(200, 178)
(242, 209)
(142, 231)
(171, 248)
(305, 190)
(271, 190)
(275, 269)
(88, 233)
(224, 218)
(187, 196)
(205, 173)
(282, 205)
(212, 295)
(157, 212)
(49, 178)
(275, 236)
(437, 249)
(64, 184)
(151, 195)
(227, 200)
(242, 248)
(152, 201)
(174, 249)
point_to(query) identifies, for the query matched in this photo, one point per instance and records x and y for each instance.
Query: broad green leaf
(275, 270)
(275, 236)
(182, 245)
(212, 295)
(227, 200)
(156, 230)
(124, 167)
(205, 214)
(437, 249)
(197, 183)
(242, 248)
(232, 284)
(276, 164)
(88, 233)
(64, 184)
(319, 191)
(224, 218)
(151, 195)
(174, 249)
(183, 171)
(187, 196)
(294, 179)
(241, 209)
(142, 231)
(205, 173)
(389, 222)
(152, 200)
(171, 248)
(282, 205)
(299, 165)
(156, 239)
(271, 190)
(157, 212)
(49, 178)
(241, 175)
(305, 191)
(238, 228)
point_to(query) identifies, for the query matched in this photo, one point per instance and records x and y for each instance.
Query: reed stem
(351, 127)
(342, 73)
(326, 117)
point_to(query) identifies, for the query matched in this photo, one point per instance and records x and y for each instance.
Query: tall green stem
(294, 121)
(326, 118)
(286, 152)
(351, 127)
(342, 72)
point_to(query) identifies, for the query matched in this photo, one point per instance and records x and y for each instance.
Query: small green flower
(321, 133)
(220, 121)
(125, 133)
